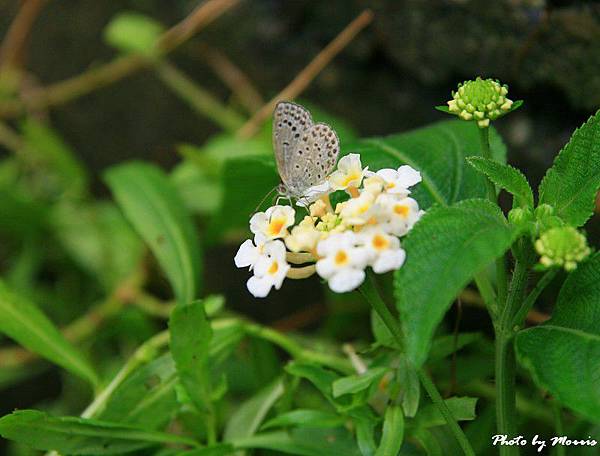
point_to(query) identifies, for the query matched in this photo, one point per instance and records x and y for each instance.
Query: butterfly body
(305, 152)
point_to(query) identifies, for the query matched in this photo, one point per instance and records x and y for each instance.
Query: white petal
(246, 255)
(389, 261)
(275, 249)
(346, 280)
(259, 222)
(326, 267)
(278, 278)
(388, 174)
(259, 286)
(408, 176)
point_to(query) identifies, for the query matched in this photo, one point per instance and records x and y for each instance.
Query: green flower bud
(563, 246)
(543, 210)
(481, 100)
(519, 216)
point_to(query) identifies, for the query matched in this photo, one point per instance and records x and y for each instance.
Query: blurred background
(386, 80)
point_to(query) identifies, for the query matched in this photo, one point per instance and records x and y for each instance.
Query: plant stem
(531, 298)
(369, 291)
(505, 359)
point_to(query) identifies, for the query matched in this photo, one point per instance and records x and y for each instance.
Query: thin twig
(95, 78)
(306, 76)
(233, 77)
(15, 40)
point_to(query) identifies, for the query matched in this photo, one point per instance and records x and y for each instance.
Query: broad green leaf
(303, 441)
(71, 435)
(563, 354)
(365, 435)
(299, 417)
(190, 341)
(133, 32)
(201, 193)
(246, 182)
(215, 450)
(249, 416)
(463, 409)
(318, 376)
(156, 211)
(23, 322)
(381, 333)
(56, 157)
(571, 184)
(507, 177)
(393, 432)
(446, 248)
(438, 151)
(99, 239)
(356, 383)
(146, 398)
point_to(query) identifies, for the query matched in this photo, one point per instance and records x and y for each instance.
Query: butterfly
(305, 152)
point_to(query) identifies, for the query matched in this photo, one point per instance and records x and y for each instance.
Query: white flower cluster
(338, 244)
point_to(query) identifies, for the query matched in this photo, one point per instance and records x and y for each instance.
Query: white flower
(357, 211)
(349, 173)
(342, 261)
(247, 255)
(400, 213)
(304, 236)
(384, 250)
(272, 224)
(313, 193)
(398, 181)
(269, 270)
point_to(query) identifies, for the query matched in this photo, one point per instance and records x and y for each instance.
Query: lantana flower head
(340, 243)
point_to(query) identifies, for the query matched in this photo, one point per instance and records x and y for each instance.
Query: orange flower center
(341, 258)
(380, 242)
(402, 210)
(273, 268)
(275, 227)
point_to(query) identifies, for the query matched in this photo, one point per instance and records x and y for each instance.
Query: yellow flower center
(380, 242)
(390, 185)
(349, 178)
(341, 258)
(275, 226)
(273, 268)
(402, 210)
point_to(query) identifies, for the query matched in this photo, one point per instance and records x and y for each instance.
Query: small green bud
(562, 246)
(543, 210)
(519, 216)
(481, 100)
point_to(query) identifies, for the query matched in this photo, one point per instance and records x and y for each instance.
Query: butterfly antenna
(264, 199)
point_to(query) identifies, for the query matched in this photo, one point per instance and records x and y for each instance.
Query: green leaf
(304, 441)
(438, 151)
(571, 184)
(312, 418)
(146, 398)
(248, 417)
(445, 249)
(133, 32)
(393, 432)
(356, 383)
(381, 333)
(156, 211)
(215, 450)
(506, 177)
(410, 387)
(190, 341)
(23, 322)
(446, 345)
(318, 376)
(70, 435)
(201, 193)
(463, 409)
(562, 354)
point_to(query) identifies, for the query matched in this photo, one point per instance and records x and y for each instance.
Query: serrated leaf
(299, 417)
(571, 184)
(438, 152)
(190, 340)
(505, 176)
(446, 248)
(393, 432)
(133, 32)
(156, 211)
(70, 435)
(23, 322)
(355, 383)
(462, 408)
(563, 353)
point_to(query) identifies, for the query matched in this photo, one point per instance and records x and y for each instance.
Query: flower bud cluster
(563, 247)
(337, 243)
